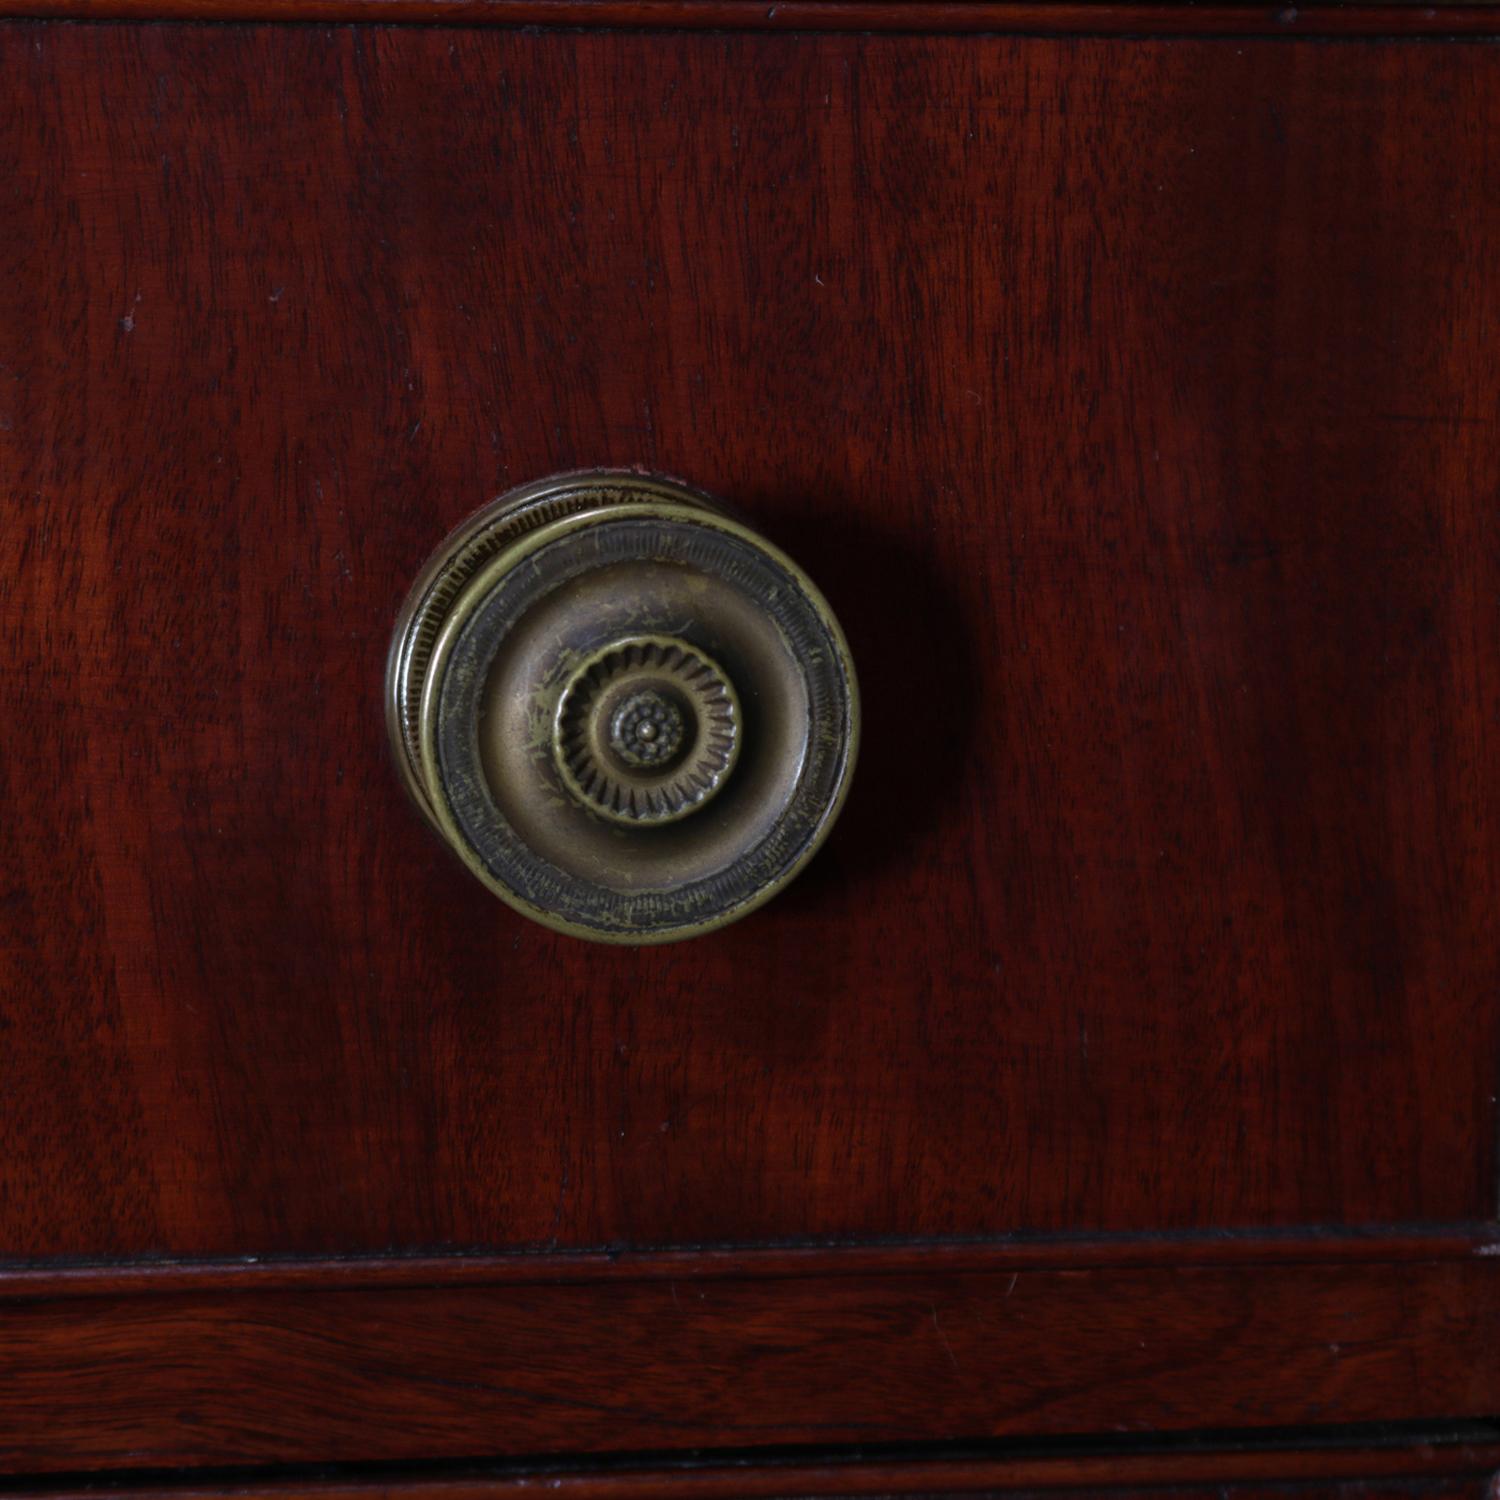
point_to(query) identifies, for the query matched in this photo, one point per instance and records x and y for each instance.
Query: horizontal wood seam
(1159, 21)
(954, 1471)
(781, 1263)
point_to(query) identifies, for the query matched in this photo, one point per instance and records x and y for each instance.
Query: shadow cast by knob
(912, 652)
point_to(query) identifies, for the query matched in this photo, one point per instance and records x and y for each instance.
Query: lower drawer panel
(685, 1355)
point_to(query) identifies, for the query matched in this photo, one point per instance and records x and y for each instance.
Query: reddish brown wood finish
(437, 1372)
(1131, 402)
(1399, 18)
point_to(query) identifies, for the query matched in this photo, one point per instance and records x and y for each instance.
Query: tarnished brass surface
(631, 716)
(648, 730)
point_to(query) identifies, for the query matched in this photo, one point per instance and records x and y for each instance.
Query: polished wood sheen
(1130, 402)
(341, 1372)
(1126, 1063)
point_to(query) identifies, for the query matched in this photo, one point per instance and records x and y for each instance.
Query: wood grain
(1389, 18)
(423, 1373)
(1128, 400)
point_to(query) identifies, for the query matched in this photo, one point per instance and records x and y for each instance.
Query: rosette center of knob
(648, 730)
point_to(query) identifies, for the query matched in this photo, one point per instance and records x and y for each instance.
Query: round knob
(631, 716)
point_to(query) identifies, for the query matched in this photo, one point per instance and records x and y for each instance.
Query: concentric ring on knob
(648, 729)
(631, 716)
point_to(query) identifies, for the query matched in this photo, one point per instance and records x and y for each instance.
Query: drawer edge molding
(1389, 21)
(401, 1374)
(1413, 1466)
(1306, 1245)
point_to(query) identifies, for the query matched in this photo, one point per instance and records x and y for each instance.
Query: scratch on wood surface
(938, 1328)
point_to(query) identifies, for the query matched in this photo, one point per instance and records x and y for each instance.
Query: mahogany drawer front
(1092, 382)
(1130, 400)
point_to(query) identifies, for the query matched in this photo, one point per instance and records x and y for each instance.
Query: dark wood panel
(1450, 1471)
(431, 1372)
(1390, 18)
(1130, 402)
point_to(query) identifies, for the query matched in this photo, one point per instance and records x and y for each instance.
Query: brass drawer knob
(631, 716)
